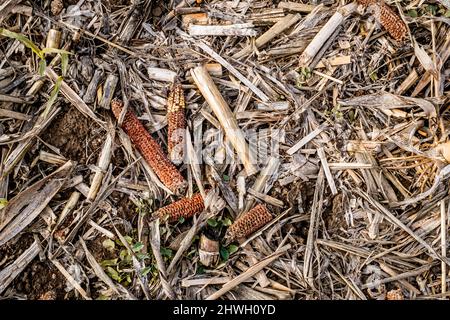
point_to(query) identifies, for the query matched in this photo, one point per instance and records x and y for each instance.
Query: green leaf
(103, 297)
(53, 97)
(146, 270)
(109, 245)
(123, 254)
(129, 239)
(412, 13)
(226, 178)
(42, 66)
(138, 246)
(113, 274)
(212, 222)
(27, 42)
(3, 203)
(226, 222)
(200, 269)
(106, 263)
(142, 256)
(224, 253)
(165, 252)
(447, 14)
(181, 220)
(64, 63)
(232, 248)
(432, 9)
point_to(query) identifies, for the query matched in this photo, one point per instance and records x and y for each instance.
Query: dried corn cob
(176, 123)
(186, 208)
(249, 223)
(391, 21)
(150, 149)
(366, 2)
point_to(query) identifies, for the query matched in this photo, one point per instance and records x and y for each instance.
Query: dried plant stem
(226, 118)
(443, 247)
(249, 273)
(103, 162)
(327, 30)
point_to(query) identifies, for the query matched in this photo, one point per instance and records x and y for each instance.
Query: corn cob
(176, 122)
(150, 149)
(387, 18)
(391, 22)
(366, 2)
(249, 223)
(186, 208)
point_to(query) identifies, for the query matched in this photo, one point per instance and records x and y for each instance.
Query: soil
(70, 132)
(40, 280)
(9, 252)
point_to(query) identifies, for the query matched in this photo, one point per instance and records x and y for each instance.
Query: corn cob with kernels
(249, 223)
(150, 149)
(366, 2)
(391, 22)
(184, 208)
(176, 123)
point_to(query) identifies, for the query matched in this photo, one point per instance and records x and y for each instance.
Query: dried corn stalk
(176, 123)
(150, 149)
(249, 223)
(184, 208)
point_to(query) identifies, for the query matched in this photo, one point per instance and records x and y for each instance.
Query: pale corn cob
(249, 223)
(186, 208)
(150, 149)
(176, 122)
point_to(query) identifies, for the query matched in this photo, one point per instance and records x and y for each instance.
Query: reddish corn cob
(391, 22)
(366, 2)
(248, 223)
(186, 208)
(150, 149)
(176, 122)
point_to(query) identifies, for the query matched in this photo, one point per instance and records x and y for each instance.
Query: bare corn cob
(248, 223)
(150, 149)
(186, 208)
(176, 122)
(391, 21)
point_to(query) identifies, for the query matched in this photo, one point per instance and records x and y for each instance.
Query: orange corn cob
(186, 208)
(391, 22)
(150, 149)
(249, 223)
(366, 2)
(176, 122)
